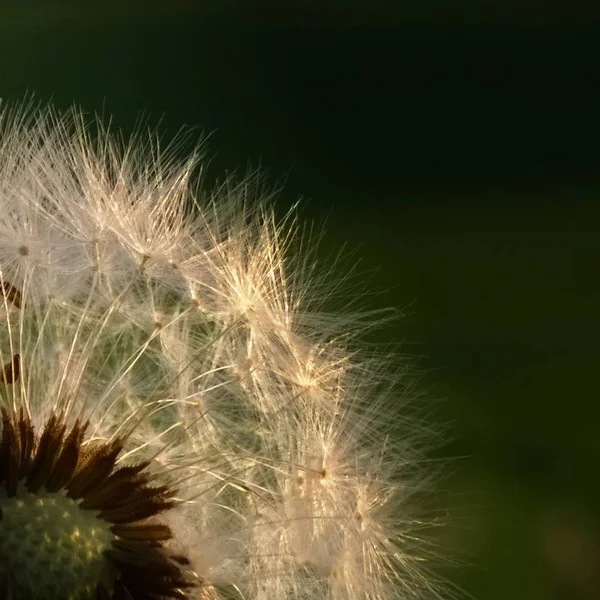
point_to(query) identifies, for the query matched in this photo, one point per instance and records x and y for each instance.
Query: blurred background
(454, 147)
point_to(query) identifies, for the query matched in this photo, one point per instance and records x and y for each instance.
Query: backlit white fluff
(193, 324)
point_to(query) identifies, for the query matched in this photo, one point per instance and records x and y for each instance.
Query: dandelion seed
(181, 419)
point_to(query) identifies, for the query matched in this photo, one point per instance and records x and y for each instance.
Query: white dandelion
(181, 417)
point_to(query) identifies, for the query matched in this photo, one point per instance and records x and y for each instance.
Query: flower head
(181, 418)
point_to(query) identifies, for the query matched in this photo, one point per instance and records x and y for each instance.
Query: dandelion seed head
(214, 432)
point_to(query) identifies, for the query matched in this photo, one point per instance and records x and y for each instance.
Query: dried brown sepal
(141, 504)
(11, 370)
(66, 463)
(146, 532)
(27, 441)
(95, 471)
(121, 483)
(46, 454)
(9, 454)
(11, 293)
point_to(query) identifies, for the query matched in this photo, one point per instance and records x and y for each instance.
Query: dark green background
(455, 147)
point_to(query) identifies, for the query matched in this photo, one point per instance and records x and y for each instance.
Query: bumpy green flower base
(52, 548)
